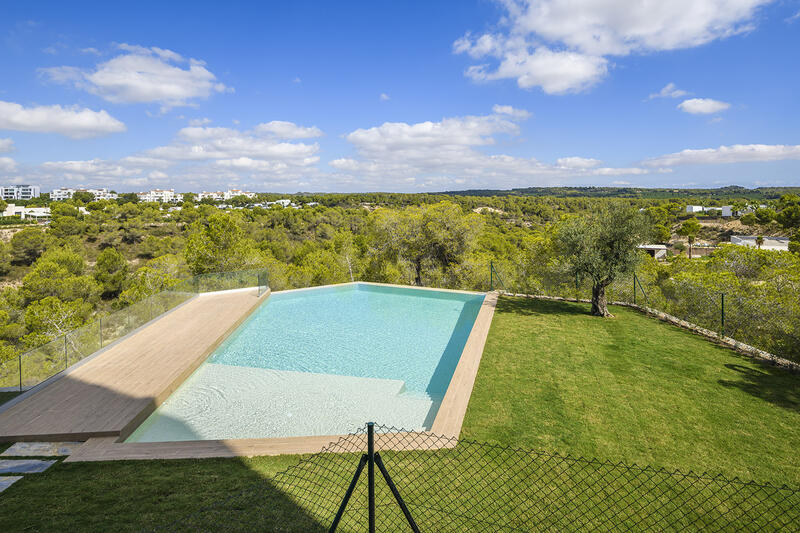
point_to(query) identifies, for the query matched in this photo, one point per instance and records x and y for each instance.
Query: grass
(552, 377)
(143, 495)
(5, 396)
(632, 389)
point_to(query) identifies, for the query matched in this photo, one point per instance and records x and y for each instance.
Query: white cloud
(669, 91)
(90, 50)
(451, 153)
(73, 122)
(297, 80)
(563, 45)
(202, 158)
(510, 111)
(7, 164)
(703, 106)
(384, 97)
(737, 153)
(6, 146)
(556, 72)
(206, 143)
(288, 130)
(143, 75)
(577, 162)
(95, 168)
(199, 121)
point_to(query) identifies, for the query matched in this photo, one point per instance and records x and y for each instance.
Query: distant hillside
(722, 193)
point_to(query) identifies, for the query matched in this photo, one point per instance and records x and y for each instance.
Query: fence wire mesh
(763, 314)
(458, 486)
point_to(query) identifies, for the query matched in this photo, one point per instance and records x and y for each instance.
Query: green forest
(96, 257)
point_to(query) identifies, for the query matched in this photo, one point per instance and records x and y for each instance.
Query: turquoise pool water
(323, 362)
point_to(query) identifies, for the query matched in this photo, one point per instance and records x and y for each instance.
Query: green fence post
(722, 314)
(577, 290)
(19, 358)
(491, 276)
(65, 352)
(100, 329)
(634, 288)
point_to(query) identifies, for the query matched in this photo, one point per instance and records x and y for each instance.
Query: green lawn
(5, 396)
(632, 389)
(552, 377)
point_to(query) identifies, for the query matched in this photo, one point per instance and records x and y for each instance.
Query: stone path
(41, 449)
(7, 481)
(24, 466)
(31, 466)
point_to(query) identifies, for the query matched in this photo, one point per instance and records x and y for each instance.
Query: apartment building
(227, 195)
(65, 193)
(160, 195)
(19, 192)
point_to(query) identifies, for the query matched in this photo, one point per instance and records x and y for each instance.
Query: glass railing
(37, 365)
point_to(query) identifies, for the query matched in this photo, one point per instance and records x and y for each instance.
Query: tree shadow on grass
(770, 383)
(533, 307)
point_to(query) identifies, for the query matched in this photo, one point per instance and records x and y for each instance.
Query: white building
(283, 202)
(218, 195)
(659, 251)
(159, 195)
(227, 195)
(230, 193)
(725, 210)
(20, 192)
(38, 213)
(65, 193)
(770, 243)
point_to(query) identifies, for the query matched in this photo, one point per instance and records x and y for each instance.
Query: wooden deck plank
(127, 381)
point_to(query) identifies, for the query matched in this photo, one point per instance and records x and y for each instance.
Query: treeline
(81, 265)
(700, 195)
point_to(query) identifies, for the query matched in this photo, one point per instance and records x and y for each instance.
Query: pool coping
(447, 423)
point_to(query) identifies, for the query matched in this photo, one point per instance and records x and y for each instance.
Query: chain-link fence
(444, 485)
(756, 314)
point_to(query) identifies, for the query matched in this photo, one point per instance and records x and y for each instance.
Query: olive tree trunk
(599, 302)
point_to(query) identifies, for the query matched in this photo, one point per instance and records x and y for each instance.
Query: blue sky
(400, 96)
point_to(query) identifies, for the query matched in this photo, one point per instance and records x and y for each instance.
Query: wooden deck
(114, 392)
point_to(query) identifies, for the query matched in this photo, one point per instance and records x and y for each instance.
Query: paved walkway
(114, 392)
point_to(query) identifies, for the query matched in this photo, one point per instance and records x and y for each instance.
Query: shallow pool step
(222, 402)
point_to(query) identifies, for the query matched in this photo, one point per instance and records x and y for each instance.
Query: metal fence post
(491, 276)
(65, 352)
(19, 358)
(577, 289)
(371, 474)
(722, 314)
(100, 329)
(634, 288)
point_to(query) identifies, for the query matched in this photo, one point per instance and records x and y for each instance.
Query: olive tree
(603, 247)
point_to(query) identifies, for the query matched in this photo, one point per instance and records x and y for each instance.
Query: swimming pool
(324, 361)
